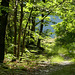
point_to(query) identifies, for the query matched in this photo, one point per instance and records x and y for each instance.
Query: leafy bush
(56, 59)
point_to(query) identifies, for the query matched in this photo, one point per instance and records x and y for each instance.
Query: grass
(67, 70)
(56, 59)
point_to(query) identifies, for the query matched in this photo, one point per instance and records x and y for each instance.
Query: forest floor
(44, 68)
(44, 64)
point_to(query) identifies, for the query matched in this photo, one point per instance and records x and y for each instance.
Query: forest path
(48, 69)
(45, 68)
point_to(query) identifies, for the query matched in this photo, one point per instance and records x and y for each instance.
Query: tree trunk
(33, 24)
(32, 30)
(25, 33)
(3, 23)
(28, 34)
(15, 27)
(21, 19)
(41, 29)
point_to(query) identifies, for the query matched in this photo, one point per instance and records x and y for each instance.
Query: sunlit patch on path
(66, 63)
(48, 69)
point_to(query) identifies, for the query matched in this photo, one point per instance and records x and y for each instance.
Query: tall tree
(33, 23)
(3, 23)
(15, 27)
(32, 29)
(21, 19)
(41, 29)
(24, 36)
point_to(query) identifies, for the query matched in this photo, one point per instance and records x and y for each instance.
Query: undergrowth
(52, 54)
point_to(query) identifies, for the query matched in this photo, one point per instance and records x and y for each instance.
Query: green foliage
(9, 57)
(47, 33)
(65, 31)
(56, 59)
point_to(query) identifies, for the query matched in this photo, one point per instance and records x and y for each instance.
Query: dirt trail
(48, 69)
(45, 68)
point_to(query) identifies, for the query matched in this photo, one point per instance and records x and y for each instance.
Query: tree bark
(15, 27)
(41, 29)
(33, 24)
(3, 23)
(32, 30)
(21, 19)
(24, 37)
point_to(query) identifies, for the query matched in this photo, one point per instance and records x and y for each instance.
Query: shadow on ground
(43, 69)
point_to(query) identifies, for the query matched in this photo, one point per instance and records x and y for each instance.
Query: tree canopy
(21, 28)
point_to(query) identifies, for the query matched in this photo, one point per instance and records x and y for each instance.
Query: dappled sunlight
(37, 37)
